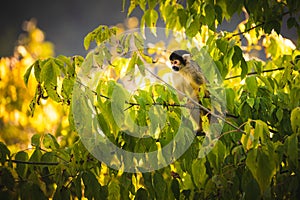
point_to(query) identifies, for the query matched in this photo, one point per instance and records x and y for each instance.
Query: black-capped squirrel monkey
(191, 73)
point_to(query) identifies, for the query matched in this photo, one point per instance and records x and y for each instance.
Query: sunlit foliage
(256, 156)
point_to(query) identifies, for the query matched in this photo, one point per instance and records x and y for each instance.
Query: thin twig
(232, 131)
(245, 31)
(252, 73)
(32, 162)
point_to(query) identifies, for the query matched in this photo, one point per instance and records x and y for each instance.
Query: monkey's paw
(200, 133)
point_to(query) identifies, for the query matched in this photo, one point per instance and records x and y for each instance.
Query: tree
(251, 151)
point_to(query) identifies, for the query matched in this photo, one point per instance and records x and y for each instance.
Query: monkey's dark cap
(177, 55)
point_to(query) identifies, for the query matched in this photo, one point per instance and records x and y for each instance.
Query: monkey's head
(179, 59)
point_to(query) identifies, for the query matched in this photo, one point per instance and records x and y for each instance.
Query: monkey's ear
(186, 57)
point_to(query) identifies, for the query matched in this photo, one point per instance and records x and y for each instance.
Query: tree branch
(32, 162)
(245, 31)
(252, 73)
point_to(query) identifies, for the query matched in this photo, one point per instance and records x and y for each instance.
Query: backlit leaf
(261, 162)
(291, 144)
(22, 168)
(295, 120)
(4, 152)
(199, 172)
(27, 74)
(49, 141)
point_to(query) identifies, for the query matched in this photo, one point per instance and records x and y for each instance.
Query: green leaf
(151, 17)
(249, 186)
(295, 120)
(99, 35)
(158, 117)
(216, 156)
(152, 4)
(159, 185)
(131, 64)
(237, 56)
(245, 111)
(37, 69)
(77, 186)
(67, 89)
(274, 24)
(244, 67)
(132, 6)
(230, 99)
(182, 16)
(261, 162)
(222, 45)
(286, 76)
(250, 102)
(233, 6)
(88, 39)
(238, 60)
(31, 191)
(251, 84)
(138, 41)
(91, 185)
(141, 66)
(6, 178)
(36, 156)
(175, 188)
(49, 74)
(141, 194)
(193, 28)
(27, 73)
(291, 145)
(51, 157)
(21, 168)
(36, 140)
(279, 114)
(114, 189)
(119, 97)
(199, 174)
(4, 153)
(219, 13)
(62, 193)
(209, 14)
(49, 141)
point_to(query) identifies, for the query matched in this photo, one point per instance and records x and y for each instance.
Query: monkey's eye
(175, 62)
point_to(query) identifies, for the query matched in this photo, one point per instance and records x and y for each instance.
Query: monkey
(191, 73)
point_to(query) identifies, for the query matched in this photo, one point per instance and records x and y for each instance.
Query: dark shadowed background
(66, 22)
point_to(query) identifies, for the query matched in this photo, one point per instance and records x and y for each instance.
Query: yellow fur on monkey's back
(193, 75)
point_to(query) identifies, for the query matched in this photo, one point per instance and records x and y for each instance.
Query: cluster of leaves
(259, 159)
(16, 96)
(192, 14)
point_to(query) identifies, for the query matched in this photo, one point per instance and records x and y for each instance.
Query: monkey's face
(179, 59)
(176, 65)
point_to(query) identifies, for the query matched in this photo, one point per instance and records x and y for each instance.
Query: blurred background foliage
(16, 123)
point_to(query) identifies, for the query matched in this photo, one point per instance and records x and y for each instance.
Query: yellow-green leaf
(295, 120)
